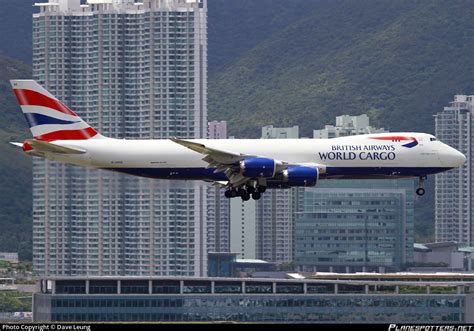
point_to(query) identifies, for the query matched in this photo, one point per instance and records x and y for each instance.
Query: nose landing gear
(420, 191)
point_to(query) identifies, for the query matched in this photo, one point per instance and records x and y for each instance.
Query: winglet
(16, 144)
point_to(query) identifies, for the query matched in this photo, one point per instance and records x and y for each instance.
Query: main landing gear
(246, 192)
(421, 186)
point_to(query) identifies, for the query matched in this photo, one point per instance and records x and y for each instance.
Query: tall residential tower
(454, 189)
(135, 70)
(218, 206)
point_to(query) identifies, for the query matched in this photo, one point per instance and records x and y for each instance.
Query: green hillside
(15, 174)
(16, 28)
(400, 61)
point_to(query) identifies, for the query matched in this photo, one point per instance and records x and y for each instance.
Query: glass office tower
(134, 71)
(356, 225)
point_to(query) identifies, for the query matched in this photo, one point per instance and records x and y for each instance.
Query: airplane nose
(458, 158)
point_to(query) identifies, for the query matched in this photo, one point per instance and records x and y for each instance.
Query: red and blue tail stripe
(48, 118)
(35, 119)
(32, 98)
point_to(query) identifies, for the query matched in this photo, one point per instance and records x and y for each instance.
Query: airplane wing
(227, 162)
(223, 161)
(44, 146)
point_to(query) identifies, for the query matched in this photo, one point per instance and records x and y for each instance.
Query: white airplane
(247, 167)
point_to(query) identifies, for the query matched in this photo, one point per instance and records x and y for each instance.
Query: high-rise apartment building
(218, 206)
(275, 212)
(454, 189)
(135, 70)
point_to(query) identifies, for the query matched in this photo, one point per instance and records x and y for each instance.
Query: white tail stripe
(44, 129)
(49, 112)
(19, 84)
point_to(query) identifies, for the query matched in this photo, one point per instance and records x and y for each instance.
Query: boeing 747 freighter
(247, 167)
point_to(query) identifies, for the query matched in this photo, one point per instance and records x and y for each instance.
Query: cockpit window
(433, 139)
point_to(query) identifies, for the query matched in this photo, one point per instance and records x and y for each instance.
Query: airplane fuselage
(246, 167)
(364, 156)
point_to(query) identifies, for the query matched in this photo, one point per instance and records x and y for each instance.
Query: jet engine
(300, 176)
(256, 167)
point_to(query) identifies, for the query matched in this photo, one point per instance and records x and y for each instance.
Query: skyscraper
(132, 70)
(454, 189)
(218, 206)
(355, 225)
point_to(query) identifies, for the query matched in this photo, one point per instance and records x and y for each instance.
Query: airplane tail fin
(48, 118)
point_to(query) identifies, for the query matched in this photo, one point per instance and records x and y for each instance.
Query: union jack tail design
(48, 118)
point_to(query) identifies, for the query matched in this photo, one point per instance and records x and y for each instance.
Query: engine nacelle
(300, 176)
(256, 167)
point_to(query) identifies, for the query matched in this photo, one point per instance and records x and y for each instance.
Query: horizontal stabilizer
(45, 147)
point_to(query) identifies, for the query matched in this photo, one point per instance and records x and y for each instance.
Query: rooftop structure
(347, 126)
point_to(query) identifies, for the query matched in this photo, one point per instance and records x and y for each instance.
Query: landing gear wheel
(230, 193)
(256, 195)
(420, 192)
(421, 186)
(250, 189)
(241, 192)
(245, 197)
(261, 189)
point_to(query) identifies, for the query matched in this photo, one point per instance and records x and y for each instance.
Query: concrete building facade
(243, 239)
(135, 71)
(217, 130)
